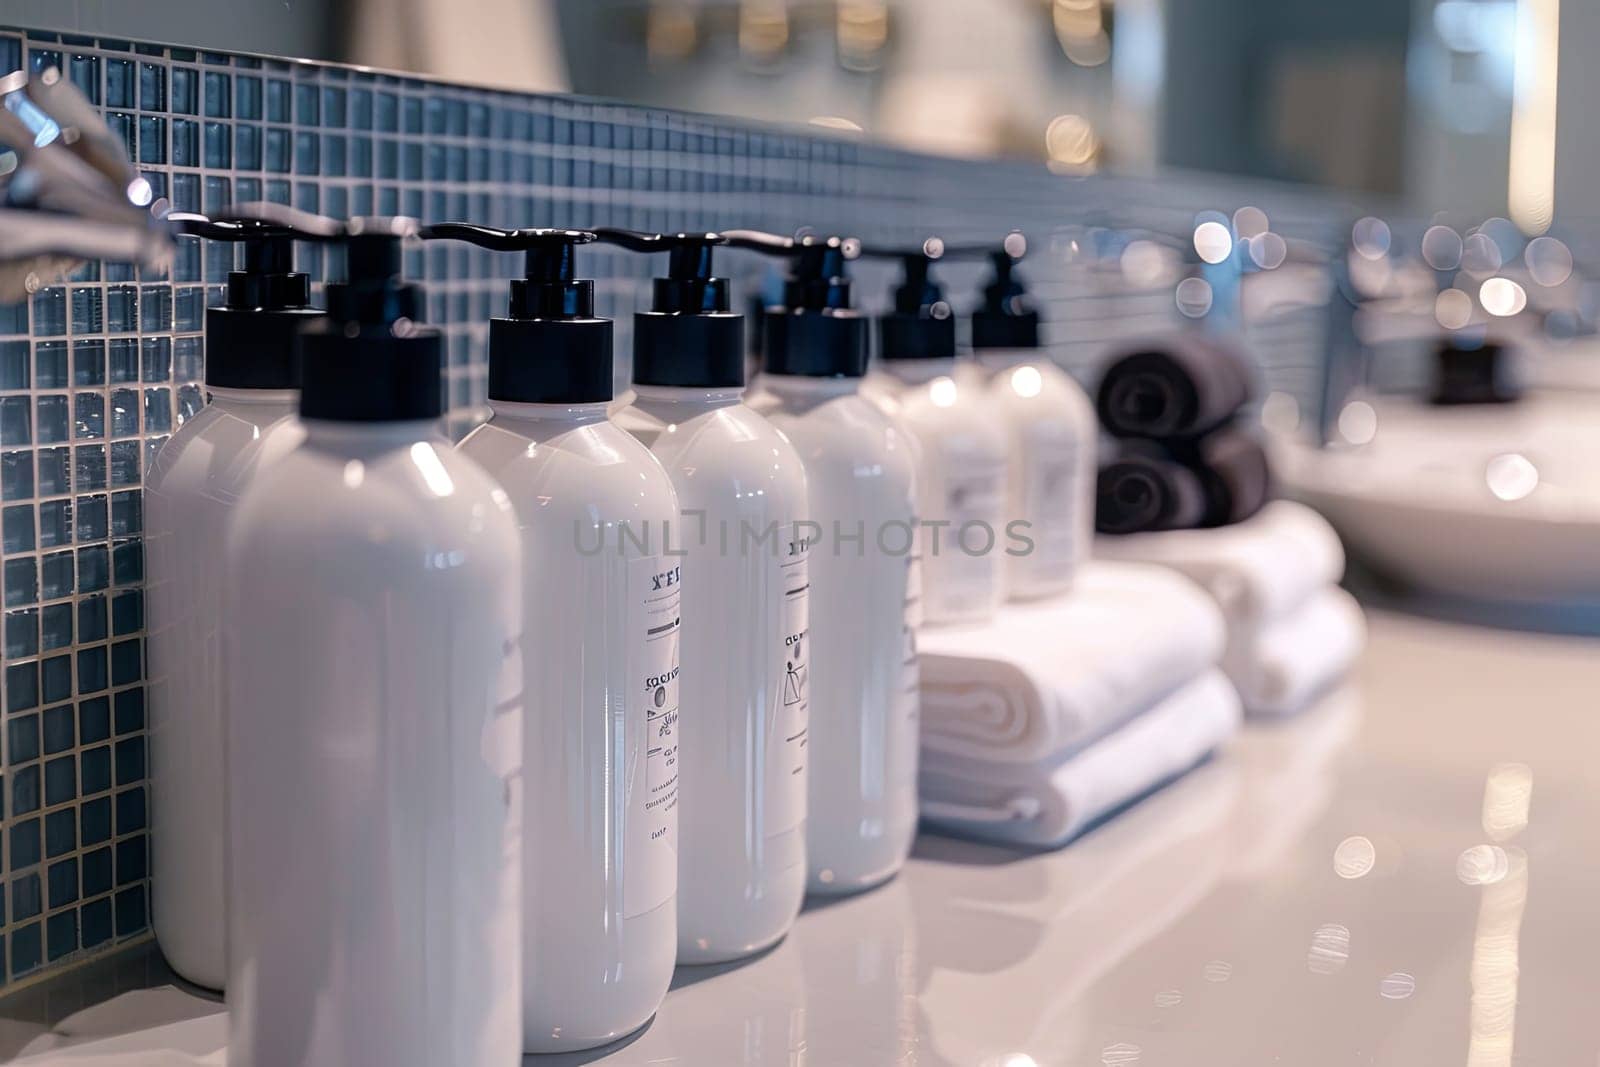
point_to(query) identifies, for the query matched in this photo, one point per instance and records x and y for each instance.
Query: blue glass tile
(14, 318)
(185, 143)
(16, 420)
(60, 780)
(131, 912)
(55, 626)
(91, 519)
(127, 661)
(186, 263)
(50, 312)
(52, 419)
(280, 153)
(14, 371)
(90, 419)
(152, 140)
(61, 935)
(218, 94)
(42, 59)
(55, 679)
(22, 739)
(94, 920)
(123, 359)
(16, 522)
(307, 105)
(127, 612)
(155, 309)
(95, 827)
(306, 148)
(55, 471)
(24, 790)
(127, 559)
(130, 719)
(24, 843)
(218, 145)
(22, 686)
(94, 819)
(158, 410)
(122, 309)
(59, 731)
(188, 362)
(55, 574)
(247, 147)
(185, 90)
(50, 364)
(279, 101)
(93, 668)
(121, 83)
(26, 949)
(124, 458)
(89, 467)
(132, 861)
(60, 832)
(92, 615)
(125, 411)
(152, 87)
(334, 150)
(95, 773)
(22, 633)
(89, 359)
(361, 109)
(130, 811)
(63, 882)
(186, 192)
(55, 523)
(10, 59)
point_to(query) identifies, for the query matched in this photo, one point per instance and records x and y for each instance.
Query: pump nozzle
(370, 359)
(1006, 320)
(551, 349)
(250, 337)
(689, 338)
(920, 326)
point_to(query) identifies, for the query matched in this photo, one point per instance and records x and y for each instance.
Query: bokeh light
(1213, 241)
(1502, 297)
(1371, 237)
(1441, 248)
(1194, 297)
(1549, 261)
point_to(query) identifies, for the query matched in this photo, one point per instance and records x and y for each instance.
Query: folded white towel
(1290, 661)
(1258, 569)
(1047, 804)
(1042, 680)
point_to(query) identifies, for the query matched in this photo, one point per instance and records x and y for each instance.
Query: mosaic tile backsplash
(96, 373)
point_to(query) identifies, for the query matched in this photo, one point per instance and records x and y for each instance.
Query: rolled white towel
(1047, 804)
(1259, 569)
(1292, 660)
(1041, 681)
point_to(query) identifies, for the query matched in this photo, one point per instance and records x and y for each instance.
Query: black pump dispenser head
(251, 336)
(814, 333)
(369, 359)
(550, 349)
(1006, 320)
(689, 338)
(921, 325)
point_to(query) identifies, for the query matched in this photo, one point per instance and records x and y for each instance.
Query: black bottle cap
(371, 359)
(1006, 320)
(815, 333)
(251, 336)
(921, 325)
(550, 349)
(689, 338)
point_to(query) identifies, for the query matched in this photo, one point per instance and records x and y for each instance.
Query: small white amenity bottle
(961, 443)
(746, 645)
(374, 739)
(195, 481)
(1053, 429)
(859, 471)
(599, 658)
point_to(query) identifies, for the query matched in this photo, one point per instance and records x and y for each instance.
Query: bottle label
(961, 568)
(652, 880)
(786, 744)
(1053, 501)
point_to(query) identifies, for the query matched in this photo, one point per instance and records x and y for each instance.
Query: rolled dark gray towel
(1135, 493)
(1234, 473)
(1180, 386)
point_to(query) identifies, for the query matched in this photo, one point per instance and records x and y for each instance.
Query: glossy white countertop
(1303, 899)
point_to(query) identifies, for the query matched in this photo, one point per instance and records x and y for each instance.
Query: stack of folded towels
(1188, 489)
(1183, 457)
(1292, 632)
(1041, 722)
